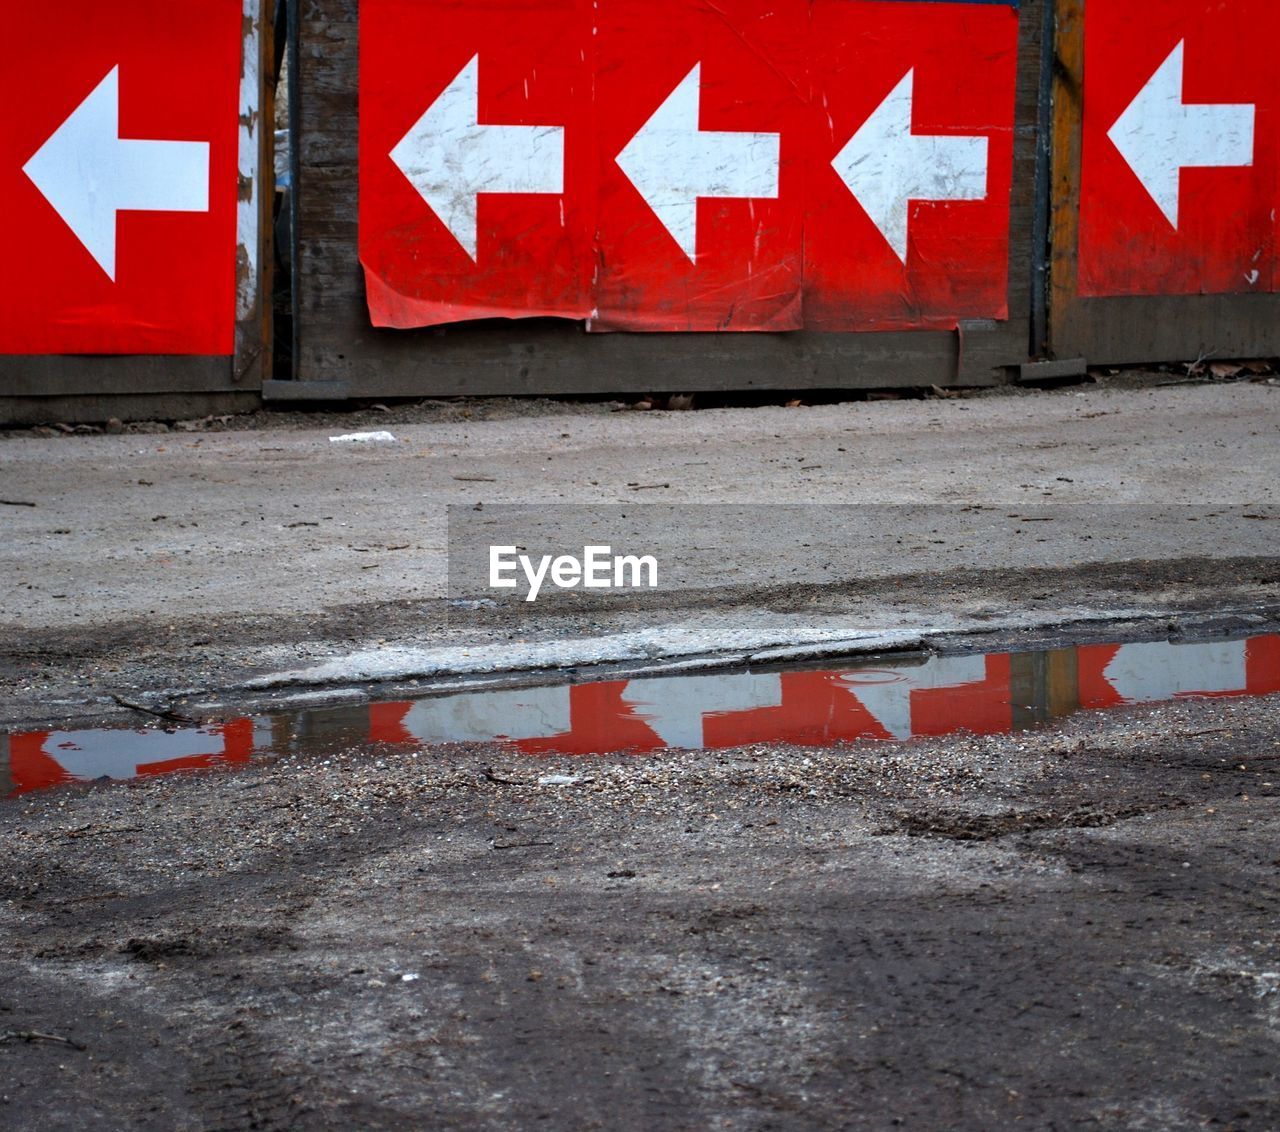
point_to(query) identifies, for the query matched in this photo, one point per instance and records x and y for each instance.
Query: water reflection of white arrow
(450, 158)
(524, 713)
(887, 694)
(89, 173)
(675, 707)
(673, 163)
(1159, 135)
(886, 166)
(87, 755)
(1152, 671)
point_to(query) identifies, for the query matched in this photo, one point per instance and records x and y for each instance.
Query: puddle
(988, 694)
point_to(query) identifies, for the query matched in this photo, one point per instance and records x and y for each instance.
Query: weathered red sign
(908, 199)
(118, 177)
(472, 202)
(702, 124)
(669, 165)
(1180, 165)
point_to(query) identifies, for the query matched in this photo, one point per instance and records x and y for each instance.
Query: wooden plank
(1064, 224)
(254, 257)
(538, 358)
(335, 341)
(94, 407)
(1023, 199)
(1043, 189)
(304, 390)
(62, 375)
(6, 773)
(1172, 328)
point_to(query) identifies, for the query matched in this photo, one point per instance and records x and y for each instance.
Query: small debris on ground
(363, 438)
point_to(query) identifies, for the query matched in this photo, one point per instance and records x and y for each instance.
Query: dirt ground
(145, 565)
(1069, 928)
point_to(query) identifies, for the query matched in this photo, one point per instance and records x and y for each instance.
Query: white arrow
(672, 163)
(450, 158)
(90, 174)
(1159, 135)
(886, 166)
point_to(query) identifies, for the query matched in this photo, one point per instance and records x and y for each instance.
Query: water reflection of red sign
(976, 694)
(40, 759)
(980, 695)
(1152, 671)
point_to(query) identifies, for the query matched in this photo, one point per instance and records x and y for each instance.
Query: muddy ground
(1071, 928)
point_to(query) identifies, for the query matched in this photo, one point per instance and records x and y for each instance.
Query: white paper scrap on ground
(559, 780)
(363, 438)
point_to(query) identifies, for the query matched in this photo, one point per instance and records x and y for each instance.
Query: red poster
(907, 223)
(477, 176)
(118, 177)
(687, 165)
(1180, 166)
(701, 113)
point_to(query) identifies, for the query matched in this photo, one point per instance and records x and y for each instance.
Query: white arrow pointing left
(673, 163)
(1159, 135)
(90, 174)
(450, 158)
(886, 166)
